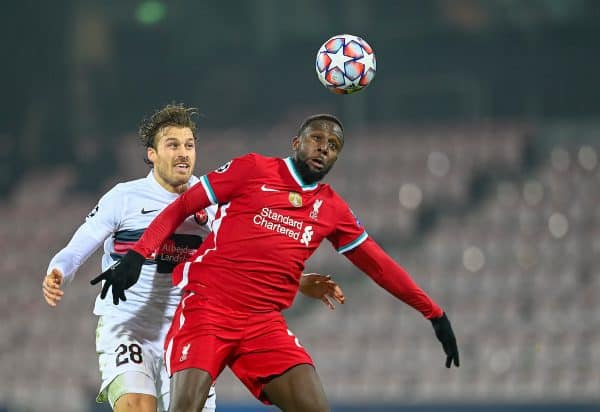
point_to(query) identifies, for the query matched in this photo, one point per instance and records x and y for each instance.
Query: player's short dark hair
(322, 116)
(171, 115)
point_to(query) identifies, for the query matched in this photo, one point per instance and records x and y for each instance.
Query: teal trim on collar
(290, 164)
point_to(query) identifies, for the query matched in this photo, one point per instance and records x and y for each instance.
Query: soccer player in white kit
(130, 337)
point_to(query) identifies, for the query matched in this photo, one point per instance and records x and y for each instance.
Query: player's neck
(175, 189)
(179, 189)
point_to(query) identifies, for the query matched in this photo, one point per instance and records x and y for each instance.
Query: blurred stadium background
(472, 158)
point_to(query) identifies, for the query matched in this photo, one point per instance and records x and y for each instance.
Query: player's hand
(122, 275)
(51, 287)
(322, 287)
(444, 333)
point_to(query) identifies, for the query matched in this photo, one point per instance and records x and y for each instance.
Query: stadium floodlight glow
(150, 12)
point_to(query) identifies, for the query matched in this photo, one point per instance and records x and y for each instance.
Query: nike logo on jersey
(264, 188)
(145, 212)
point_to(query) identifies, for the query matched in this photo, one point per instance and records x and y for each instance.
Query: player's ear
(295, 143)
(151, 153)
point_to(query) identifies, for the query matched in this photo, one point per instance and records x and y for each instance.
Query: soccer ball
(345, 64)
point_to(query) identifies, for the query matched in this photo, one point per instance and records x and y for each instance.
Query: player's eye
(190, 145)
(333, 146)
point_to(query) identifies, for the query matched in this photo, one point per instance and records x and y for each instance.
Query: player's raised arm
(377, 264)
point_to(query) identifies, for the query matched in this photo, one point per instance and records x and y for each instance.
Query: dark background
(465, 79)
(85, 70)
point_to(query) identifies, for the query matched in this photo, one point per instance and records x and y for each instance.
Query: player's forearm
(66, 263)
(380, 267)
(170, 218)
(81, 246)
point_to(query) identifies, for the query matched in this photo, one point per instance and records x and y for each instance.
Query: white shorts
(124, 346)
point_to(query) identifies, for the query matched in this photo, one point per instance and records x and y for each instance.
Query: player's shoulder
(250, 160)
(125, 189)
(130, 185)
(253, 157)
(261, 160)
(325, 190)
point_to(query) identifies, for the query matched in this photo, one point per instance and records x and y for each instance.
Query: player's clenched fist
(51, 287)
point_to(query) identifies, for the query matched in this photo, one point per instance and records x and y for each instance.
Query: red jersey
(268, 224)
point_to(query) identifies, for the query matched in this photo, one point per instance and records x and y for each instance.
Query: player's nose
(182, 151)
(323, 147)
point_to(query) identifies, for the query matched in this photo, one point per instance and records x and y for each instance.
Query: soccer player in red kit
(272, 216)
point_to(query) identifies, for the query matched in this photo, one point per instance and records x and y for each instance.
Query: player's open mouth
(184, 167)
(316, 163)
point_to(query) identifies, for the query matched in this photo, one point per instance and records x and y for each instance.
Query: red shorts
(208, 336)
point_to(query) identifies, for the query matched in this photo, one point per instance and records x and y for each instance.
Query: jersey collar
(290, 165)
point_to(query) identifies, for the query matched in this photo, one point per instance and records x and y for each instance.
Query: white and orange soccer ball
(345, 64)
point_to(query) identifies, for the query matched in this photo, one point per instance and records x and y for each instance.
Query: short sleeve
(348, 232)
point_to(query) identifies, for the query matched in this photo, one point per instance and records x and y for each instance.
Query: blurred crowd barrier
(498, 225)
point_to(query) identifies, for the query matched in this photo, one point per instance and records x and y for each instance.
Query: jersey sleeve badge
(358, 224)
(93, 212)
(223, 168)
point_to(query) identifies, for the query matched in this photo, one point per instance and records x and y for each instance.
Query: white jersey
(119, 220)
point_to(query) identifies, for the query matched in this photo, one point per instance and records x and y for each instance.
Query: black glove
(122, 275)
(444, 333)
